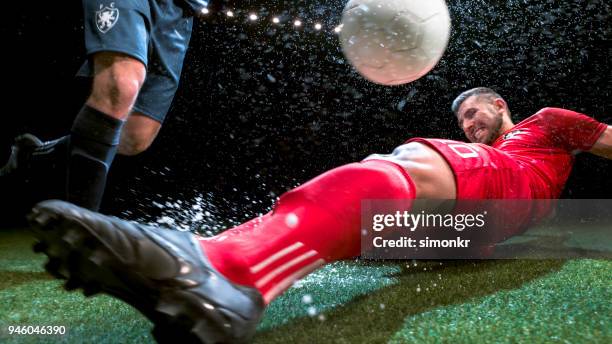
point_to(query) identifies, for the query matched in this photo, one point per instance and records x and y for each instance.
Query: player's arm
(603, 146)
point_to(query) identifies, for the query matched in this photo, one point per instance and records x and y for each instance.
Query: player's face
(480, 119)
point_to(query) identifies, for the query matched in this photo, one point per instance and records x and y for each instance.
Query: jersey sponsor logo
(512, 134)
(107, 17)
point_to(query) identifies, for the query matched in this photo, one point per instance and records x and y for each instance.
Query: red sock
(313, 224)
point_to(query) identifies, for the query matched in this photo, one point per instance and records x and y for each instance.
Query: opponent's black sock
(93, 144)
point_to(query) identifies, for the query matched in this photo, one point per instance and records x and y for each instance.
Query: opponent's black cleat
(21, 155)
(162, 273)
(35, 171)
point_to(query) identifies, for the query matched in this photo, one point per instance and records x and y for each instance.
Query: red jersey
(530, 161)
(545, 145)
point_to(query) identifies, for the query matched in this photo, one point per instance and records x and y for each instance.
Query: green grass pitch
(505, 301)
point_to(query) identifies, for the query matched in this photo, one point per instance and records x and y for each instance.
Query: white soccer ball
(393, 42)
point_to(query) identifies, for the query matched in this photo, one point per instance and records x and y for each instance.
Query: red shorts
(486, 173)
(481, 171)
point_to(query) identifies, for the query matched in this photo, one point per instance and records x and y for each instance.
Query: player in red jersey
(215, 289)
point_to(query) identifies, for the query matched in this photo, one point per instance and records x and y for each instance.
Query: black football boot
(35, 171)
(161, 272)
(21, 155)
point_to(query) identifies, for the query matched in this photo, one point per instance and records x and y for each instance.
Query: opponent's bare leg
(117, 81)
(138, 134)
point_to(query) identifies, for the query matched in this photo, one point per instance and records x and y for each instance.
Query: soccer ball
(393, 42)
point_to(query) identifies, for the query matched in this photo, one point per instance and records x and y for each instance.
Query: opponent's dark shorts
(156, 32)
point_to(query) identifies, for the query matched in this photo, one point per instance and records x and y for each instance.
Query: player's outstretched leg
(215, 289)
(163, 273)
(316, 223)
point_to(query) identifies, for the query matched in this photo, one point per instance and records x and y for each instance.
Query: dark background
(262, 108)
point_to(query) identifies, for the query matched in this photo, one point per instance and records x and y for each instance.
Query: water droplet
(291, 220)
(312, 311)
(307, 299)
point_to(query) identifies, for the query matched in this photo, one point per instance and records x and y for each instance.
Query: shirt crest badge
(512, 134)
(107, 17)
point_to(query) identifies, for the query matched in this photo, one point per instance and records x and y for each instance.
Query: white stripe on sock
(267, 278)
(257, 268)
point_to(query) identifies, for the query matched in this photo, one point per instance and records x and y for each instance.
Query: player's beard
(495, 131)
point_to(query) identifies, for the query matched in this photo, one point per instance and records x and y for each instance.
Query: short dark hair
(478, 91)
